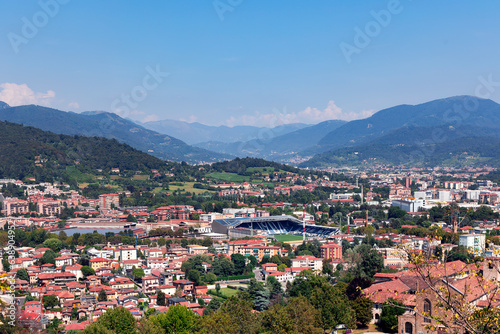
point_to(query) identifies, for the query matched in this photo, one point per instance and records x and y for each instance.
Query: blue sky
(247, 61)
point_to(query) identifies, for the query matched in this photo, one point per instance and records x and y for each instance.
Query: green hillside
(31, 152)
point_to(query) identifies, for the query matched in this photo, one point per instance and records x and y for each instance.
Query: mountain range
(108, 125)
(197, 133)
(388, 136)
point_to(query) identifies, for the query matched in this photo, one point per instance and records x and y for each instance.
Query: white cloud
(310, 115)
(73, 105)
(190, 119)
(151, 118)
(16, 95)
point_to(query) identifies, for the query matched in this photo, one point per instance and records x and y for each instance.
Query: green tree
(50, 301)
(195, 277)
(212, 306)
(389, 317)
(239, 263)
(53, 243)
(235, 316)
(331, 302)
(259, 295)
(96, 328)
(102, 296)
(395, 212)
(298, 316)
(138, 273)
(161, 300)
(48, 257)
(362, 306)
(178, 319)
(146, 326)
(119, 320)
(210, 278)
(87, 271)
(23, 274)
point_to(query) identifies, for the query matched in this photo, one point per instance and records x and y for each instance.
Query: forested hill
(241, 165)
(31, 152)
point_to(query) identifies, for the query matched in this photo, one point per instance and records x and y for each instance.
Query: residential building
(331, 251)
(109, 201)
(308, 261)
(474, 242)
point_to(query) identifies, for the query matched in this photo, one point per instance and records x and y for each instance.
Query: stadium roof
(278, 225)
(235, 222)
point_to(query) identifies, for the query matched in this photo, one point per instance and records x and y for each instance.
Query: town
(162, 243)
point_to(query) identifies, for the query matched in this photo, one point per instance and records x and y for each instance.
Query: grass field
(187, 186)
(141, 177)
(263, 170)
(228, 292)
(229, 177)
(287, 237)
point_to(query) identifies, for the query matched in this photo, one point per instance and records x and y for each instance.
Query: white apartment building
(474, 242)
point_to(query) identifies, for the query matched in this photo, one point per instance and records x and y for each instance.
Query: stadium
(242, 227)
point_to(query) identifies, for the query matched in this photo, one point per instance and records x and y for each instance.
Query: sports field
(287, 237)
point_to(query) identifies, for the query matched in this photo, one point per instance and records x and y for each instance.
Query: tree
(50, 301)
(331, 302)
(210, 278)
(239, 263)
(362, 306)
(195, 277)
(48, 257)
(23, 274)
(146, 326)
(54, 244)
(275, 288)
(395, 212)
(178, 319)
(161, 300)
(212, 306)
(298, 316)
(102, 296)
(235, 316)
(259, 295)
(138, 273)
(367, 261)
(389, 317)
(119, 320)
(87, 271)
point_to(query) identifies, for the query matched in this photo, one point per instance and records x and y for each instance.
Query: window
(427, 310)
(408, 328)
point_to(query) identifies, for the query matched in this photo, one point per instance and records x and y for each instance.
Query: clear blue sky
(262, 59)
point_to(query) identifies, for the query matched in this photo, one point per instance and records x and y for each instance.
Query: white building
(409, 204)
(308, 261)
(126, 253)
(95, 253)
(474, 242)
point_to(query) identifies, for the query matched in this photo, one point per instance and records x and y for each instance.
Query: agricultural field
(228, 177)
(187, 186)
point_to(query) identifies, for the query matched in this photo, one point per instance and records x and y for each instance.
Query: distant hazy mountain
(276, 147)
(456, 152)
(3, 105)
(108, 125)
(423, 135)
(454, 111)
(195, 133)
